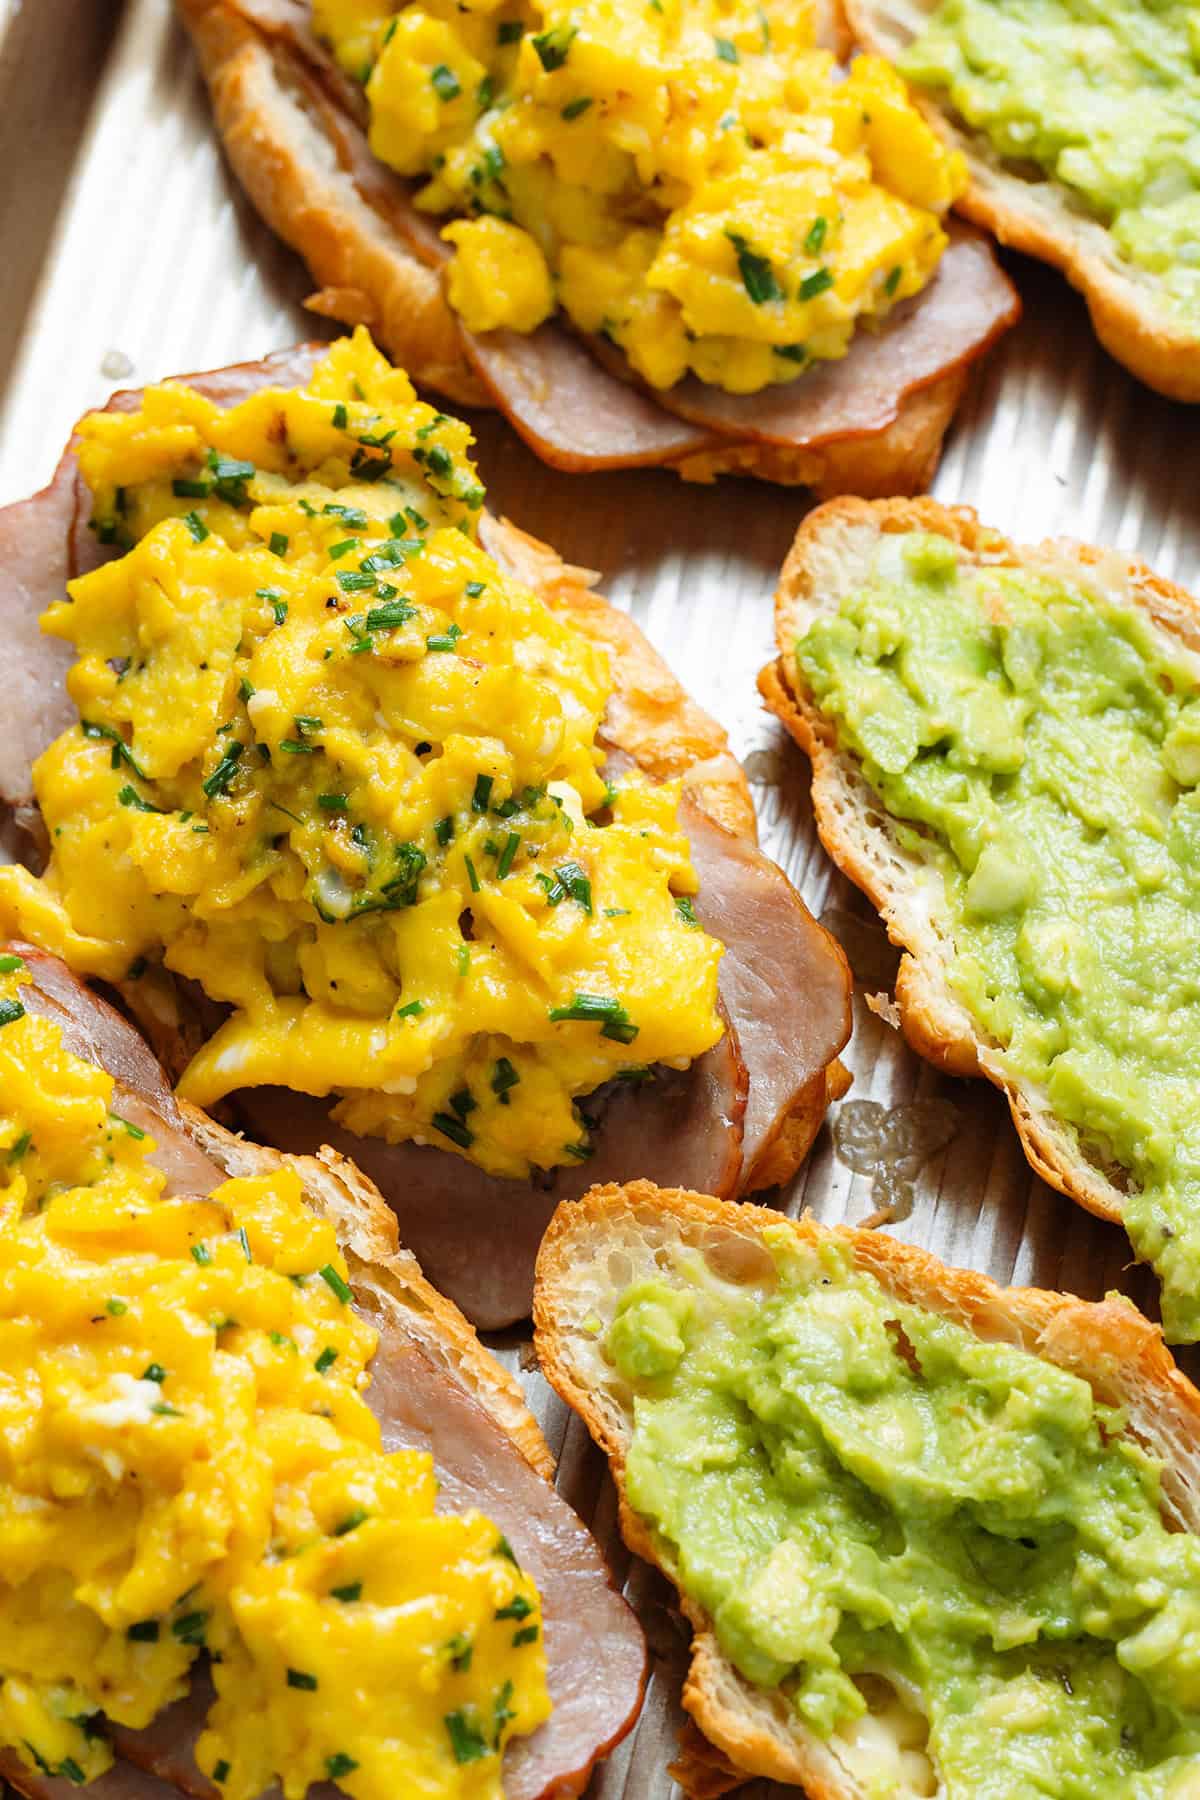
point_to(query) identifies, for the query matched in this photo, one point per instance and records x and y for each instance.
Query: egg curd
(188, 1467)
(337, 767)
(693, 180)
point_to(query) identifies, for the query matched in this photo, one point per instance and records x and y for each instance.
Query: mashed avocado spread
(1040, 746)
(854, 1488)
(1104, 95)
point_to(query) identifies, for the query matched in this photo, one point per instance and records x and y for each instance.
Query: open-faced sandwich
(1078, 121)
(935, 1536)
(384, 823)
(271, 1518)
(1006, 757)
(663, 232)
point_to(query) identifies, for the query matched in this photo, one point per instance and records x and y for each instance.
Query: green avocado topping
(1104, 95)
(1039, 746)
(856, 1489)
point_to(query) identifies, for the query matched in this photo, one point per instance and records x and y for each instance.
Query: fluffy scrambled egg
(337, 767)
(693, 180)
(188, 1467)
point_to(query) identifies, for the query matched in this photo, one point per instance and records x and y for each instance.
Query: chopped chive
(351, 1522)
(443, 831)
(353, 581)
(893, 280)
(503, 1548)
(466, 1740)
(185, 489)
(446, 84)
(244, 1241)
(472, 877)
(18, 1151)
(385, 618)
(340, 549)
(154, 1372)
(792, 352)
(412, 1010)
(482, 794)
(339, 1764)
(464, 959)
(352, 516)
(552, 46)
(341, 417)
(474, 589)
(144, 1632)
(278, 544)
(300, 1678)
(758, 277)
(221, 1772)
(726, 50)
(9, 963)
(351, 1591)
(511, 845)
(116, 1309)
(11, 1011)
(816, 235)
(509, 31)
(686, 911)
(454, 1129)
(444, 640)
(504, 1077)
(129, 796)
(817, 283)
(460, 1649)
(296, 747)
(326, 1359)
(528, 1634)
(196, 526)
(574, 109)
(336, 1283)
(190, 1629)
(201, 1254)
(518, 1608)
(222, 776)
(332, 802)
(589, 1007)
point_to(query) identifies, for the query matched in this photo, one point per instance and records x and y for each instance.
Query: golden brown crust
(290, 148)
(617, 1234)
(1128, 313)
(279, 129)
(856, 835)
(366, 1229)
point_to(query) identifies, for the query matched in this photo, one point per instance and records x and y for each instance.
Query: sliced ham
(34, 539)
(594, 1646)
(783, 977)
(574, 413)
(476, 1235)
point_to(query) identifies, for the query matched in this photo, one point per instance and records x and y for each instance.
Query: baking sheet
(127, 254)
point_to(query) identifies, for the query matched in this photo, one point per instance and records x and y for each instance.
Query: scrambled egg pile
(693, 180)
(339, 769)
(188, 1466)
